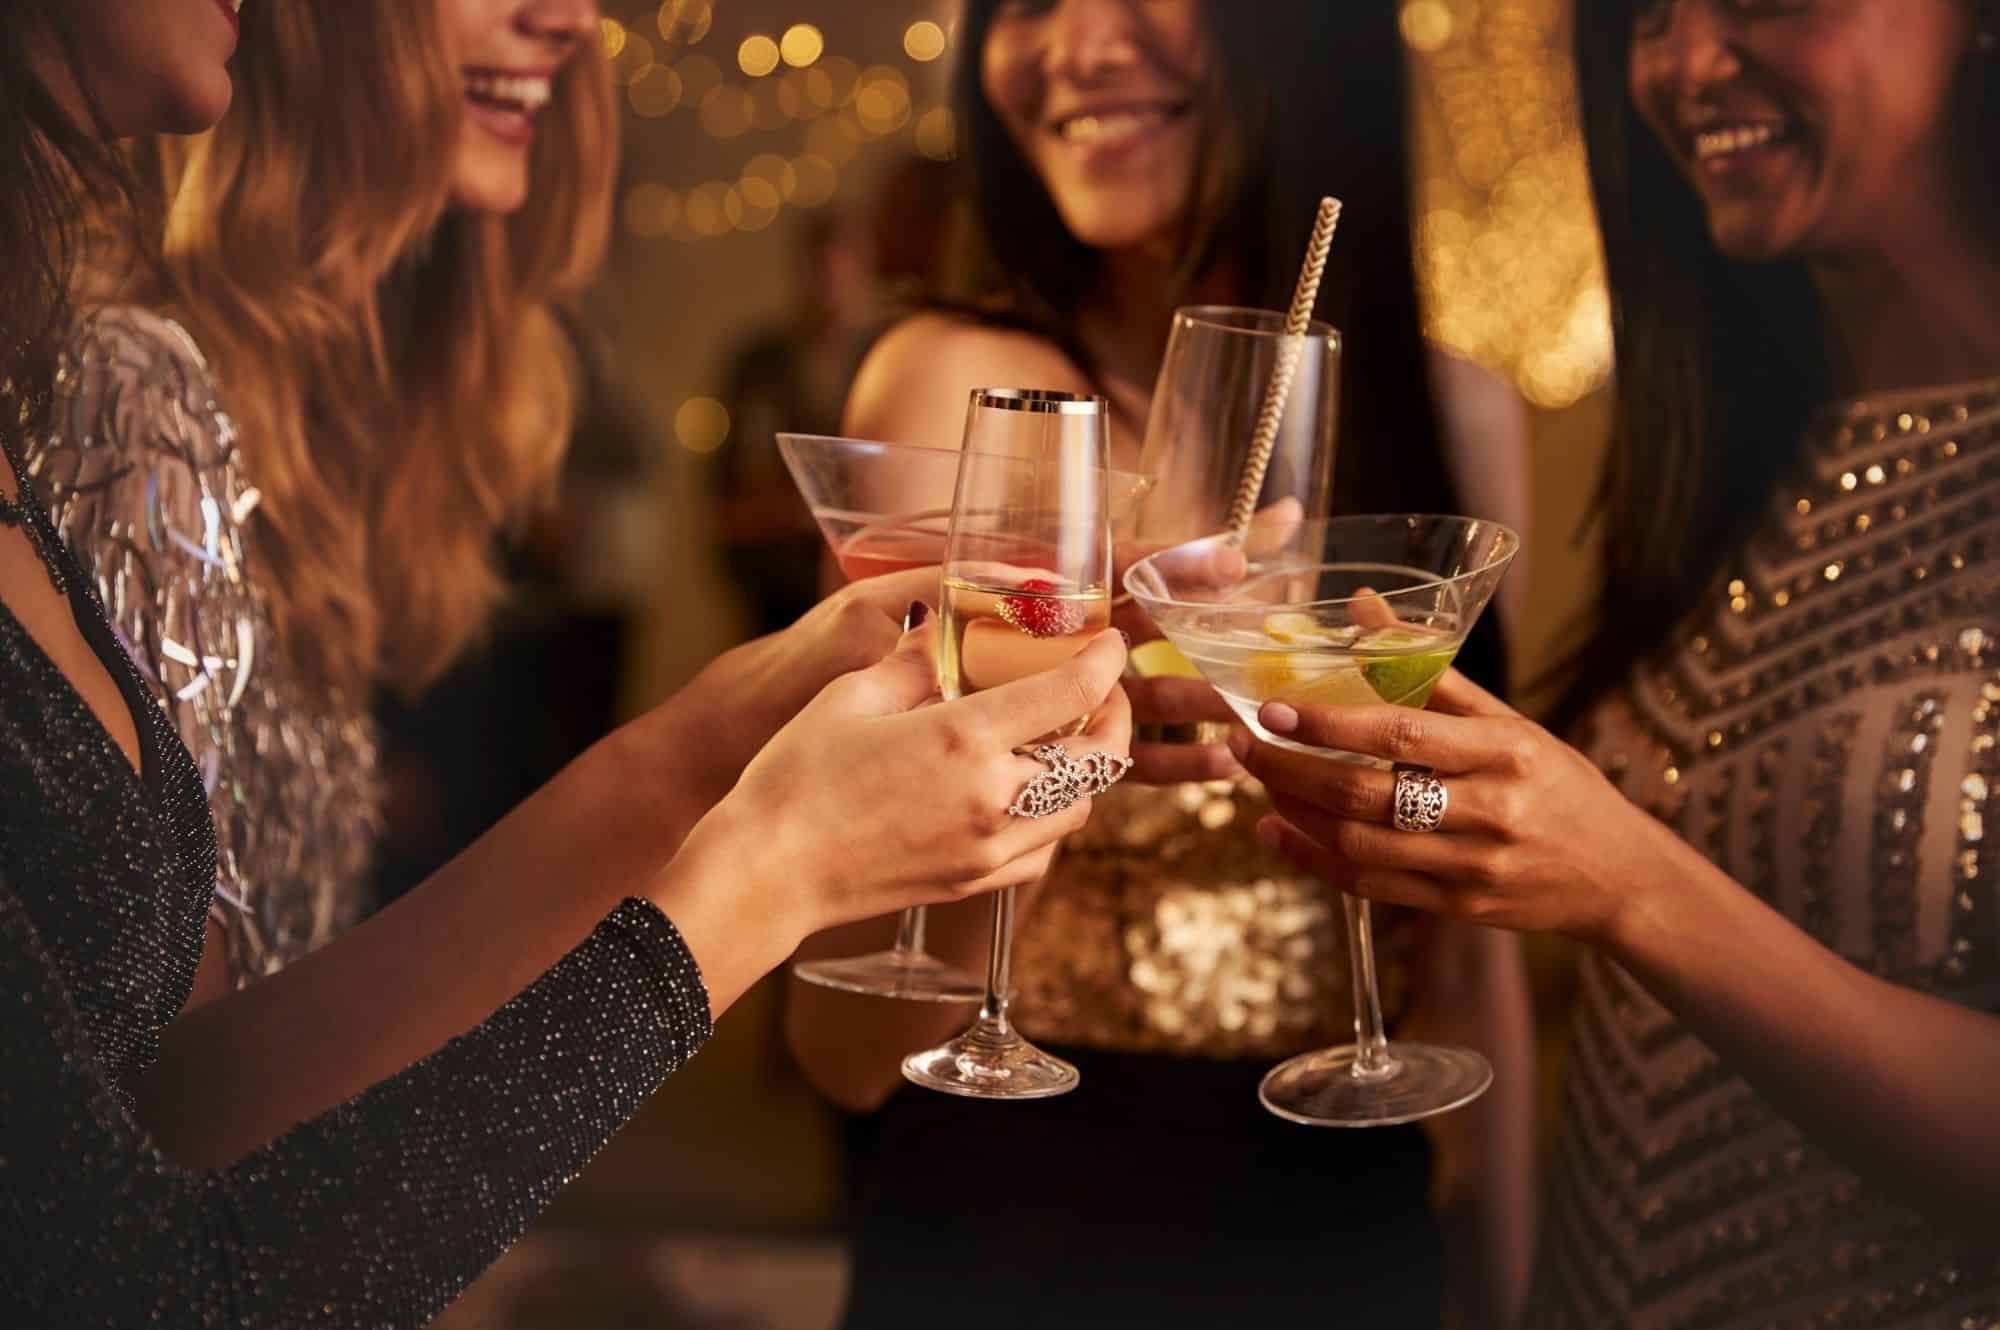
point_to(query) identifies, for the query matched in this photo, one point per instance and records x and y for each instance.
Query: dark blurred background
(787, 186)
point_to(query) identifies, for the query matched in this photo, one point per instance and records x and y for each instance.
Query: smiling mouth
(1098, 128)
(1728, 141)
(520, 94)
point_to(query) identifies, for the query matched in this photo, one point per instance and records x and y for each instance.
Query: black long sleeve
(374, 1214)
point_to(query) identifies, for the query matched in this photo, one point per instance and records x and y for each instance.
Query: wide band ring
(1067, 780)
(1420, 799)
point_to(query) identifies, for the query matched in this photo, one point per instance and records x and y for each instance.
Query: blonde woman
(366, 250)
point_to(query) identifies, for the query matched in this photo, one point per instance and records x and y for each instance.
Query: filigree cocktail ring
(1067, 780)
(1420, 799)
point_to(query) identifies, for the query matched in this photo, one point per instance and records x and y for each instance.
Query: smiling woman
(396, 390)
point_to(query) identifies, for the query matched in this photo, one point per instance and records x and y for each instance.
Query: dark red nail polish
(915, 616)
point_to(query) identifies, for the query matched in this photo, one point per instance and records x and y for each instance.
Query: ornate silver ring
(1420, 799)
(1067, 780)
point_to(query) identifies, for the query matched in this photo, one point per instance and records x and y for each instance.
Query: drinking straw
(1289, 348)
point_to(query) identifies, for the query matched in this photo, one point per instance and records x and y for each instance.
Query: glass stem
(910, 933)
(993, 1011)
(1371, 1046)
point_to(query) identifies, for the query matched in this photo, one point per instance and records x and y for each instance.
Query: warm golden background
(746, 121)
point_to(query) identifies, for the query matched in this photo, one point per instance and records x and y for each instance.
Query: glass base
(1321, 1089)
(911, 976)
(990, 1062)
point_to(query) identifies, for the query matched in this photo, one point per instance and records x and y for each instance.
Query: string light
(611, 35)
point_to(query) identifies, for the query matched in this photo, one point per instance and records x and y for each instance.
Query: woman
(1126, 159)
(396, 389)
(1779, 1109)
(561, 1006)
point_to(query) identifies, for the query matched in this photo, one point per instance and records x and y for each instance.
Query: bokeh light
(611, 35)
(651, 209)
(727, 112)
(701, 424)
(699, 77)
(801, 45)
(815, 180)
(634, 58)
(757, 56)
(937, 134)
(1426, 24)
(923, 41)
(656, 92)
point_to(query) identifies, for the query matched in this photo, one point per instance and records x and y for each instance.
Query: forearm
(851, 1048)
(1895, 1084)
(235, 1072)
(1474, 991)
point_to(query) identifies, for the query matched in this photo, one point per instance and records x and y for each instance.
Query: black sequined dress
(374, 1214)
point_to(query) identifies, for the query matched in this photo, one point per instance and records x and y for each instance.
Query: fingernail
(1267, 832)
(1279, 717)
(1239, 744)
(914, 617)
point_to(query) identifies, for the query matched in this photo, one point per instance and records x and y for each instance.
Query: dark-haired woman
(1128, 158)
(1780, 1110)
(521, 1003)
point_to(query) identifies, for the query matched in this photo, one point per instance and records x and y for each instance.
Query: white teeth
(1093, 129)
(523, 92)
(1736, 138)
(236, 5)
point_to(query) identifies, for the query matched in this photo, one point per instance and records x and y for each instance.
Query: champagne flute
(1026, 585)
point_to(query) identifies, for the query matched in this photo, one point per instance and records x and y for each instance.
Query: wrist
(734, 901)
(1658, 904)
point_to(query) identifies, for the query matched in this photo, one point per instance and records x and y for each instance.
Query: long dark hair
(1719, 364)
(1310, 100)
(58, 176)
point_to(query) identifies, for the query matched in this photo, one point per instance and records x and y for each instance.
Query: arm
(1892, 1082)
(1486, 453)
(506, 908)
(375, 1213)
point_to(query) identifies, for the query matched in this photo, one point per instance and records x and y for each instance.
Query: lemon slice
(1295, 629)
(1161, 658)
(1304, 676)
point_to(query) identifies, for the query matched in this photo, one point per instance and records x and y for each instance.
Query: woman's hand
(877, 797)
(1533, 836)
(695, 745)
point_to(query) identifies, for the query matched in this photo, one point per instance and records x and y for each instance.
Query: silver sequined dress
(143, 474)
(1824, 730)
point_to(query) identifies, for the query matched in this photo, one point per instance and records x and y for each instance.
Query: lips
(505, 103)
(229, 9)
(1112, 125)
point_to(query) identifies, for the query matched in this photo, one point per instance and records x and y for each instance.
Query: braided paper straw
(1280, 388)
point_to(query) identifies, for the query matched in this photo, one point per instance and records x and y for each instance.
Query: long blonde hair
(394, 367)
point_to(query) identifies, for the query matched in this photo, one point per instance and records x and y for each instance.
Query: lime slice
(1401, 637)
(1305, 676)
(1161, 658)
(1407, 680)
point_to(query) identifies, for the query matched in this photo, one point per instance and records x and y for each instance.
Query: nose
(1695, 52)
(560, 21)
(1088, 38)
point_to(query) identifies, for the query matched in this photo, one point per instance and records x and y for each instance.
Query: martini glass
(883, 508)
(1346, 612)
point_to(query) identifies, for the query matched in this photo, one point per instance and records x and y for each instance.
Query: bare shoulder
(912, 387)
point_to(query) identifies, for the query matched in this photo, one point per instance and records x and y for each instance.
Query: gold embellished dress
(1825, 731)
(142, 474)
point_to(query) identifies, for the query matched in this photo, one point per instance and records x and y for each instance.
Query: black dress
(375, 1213)
(1159, 1195)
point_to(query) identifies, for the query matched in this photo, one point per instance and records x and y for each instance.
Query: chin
(197, 109)
(498, 197)
(1110, 226)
